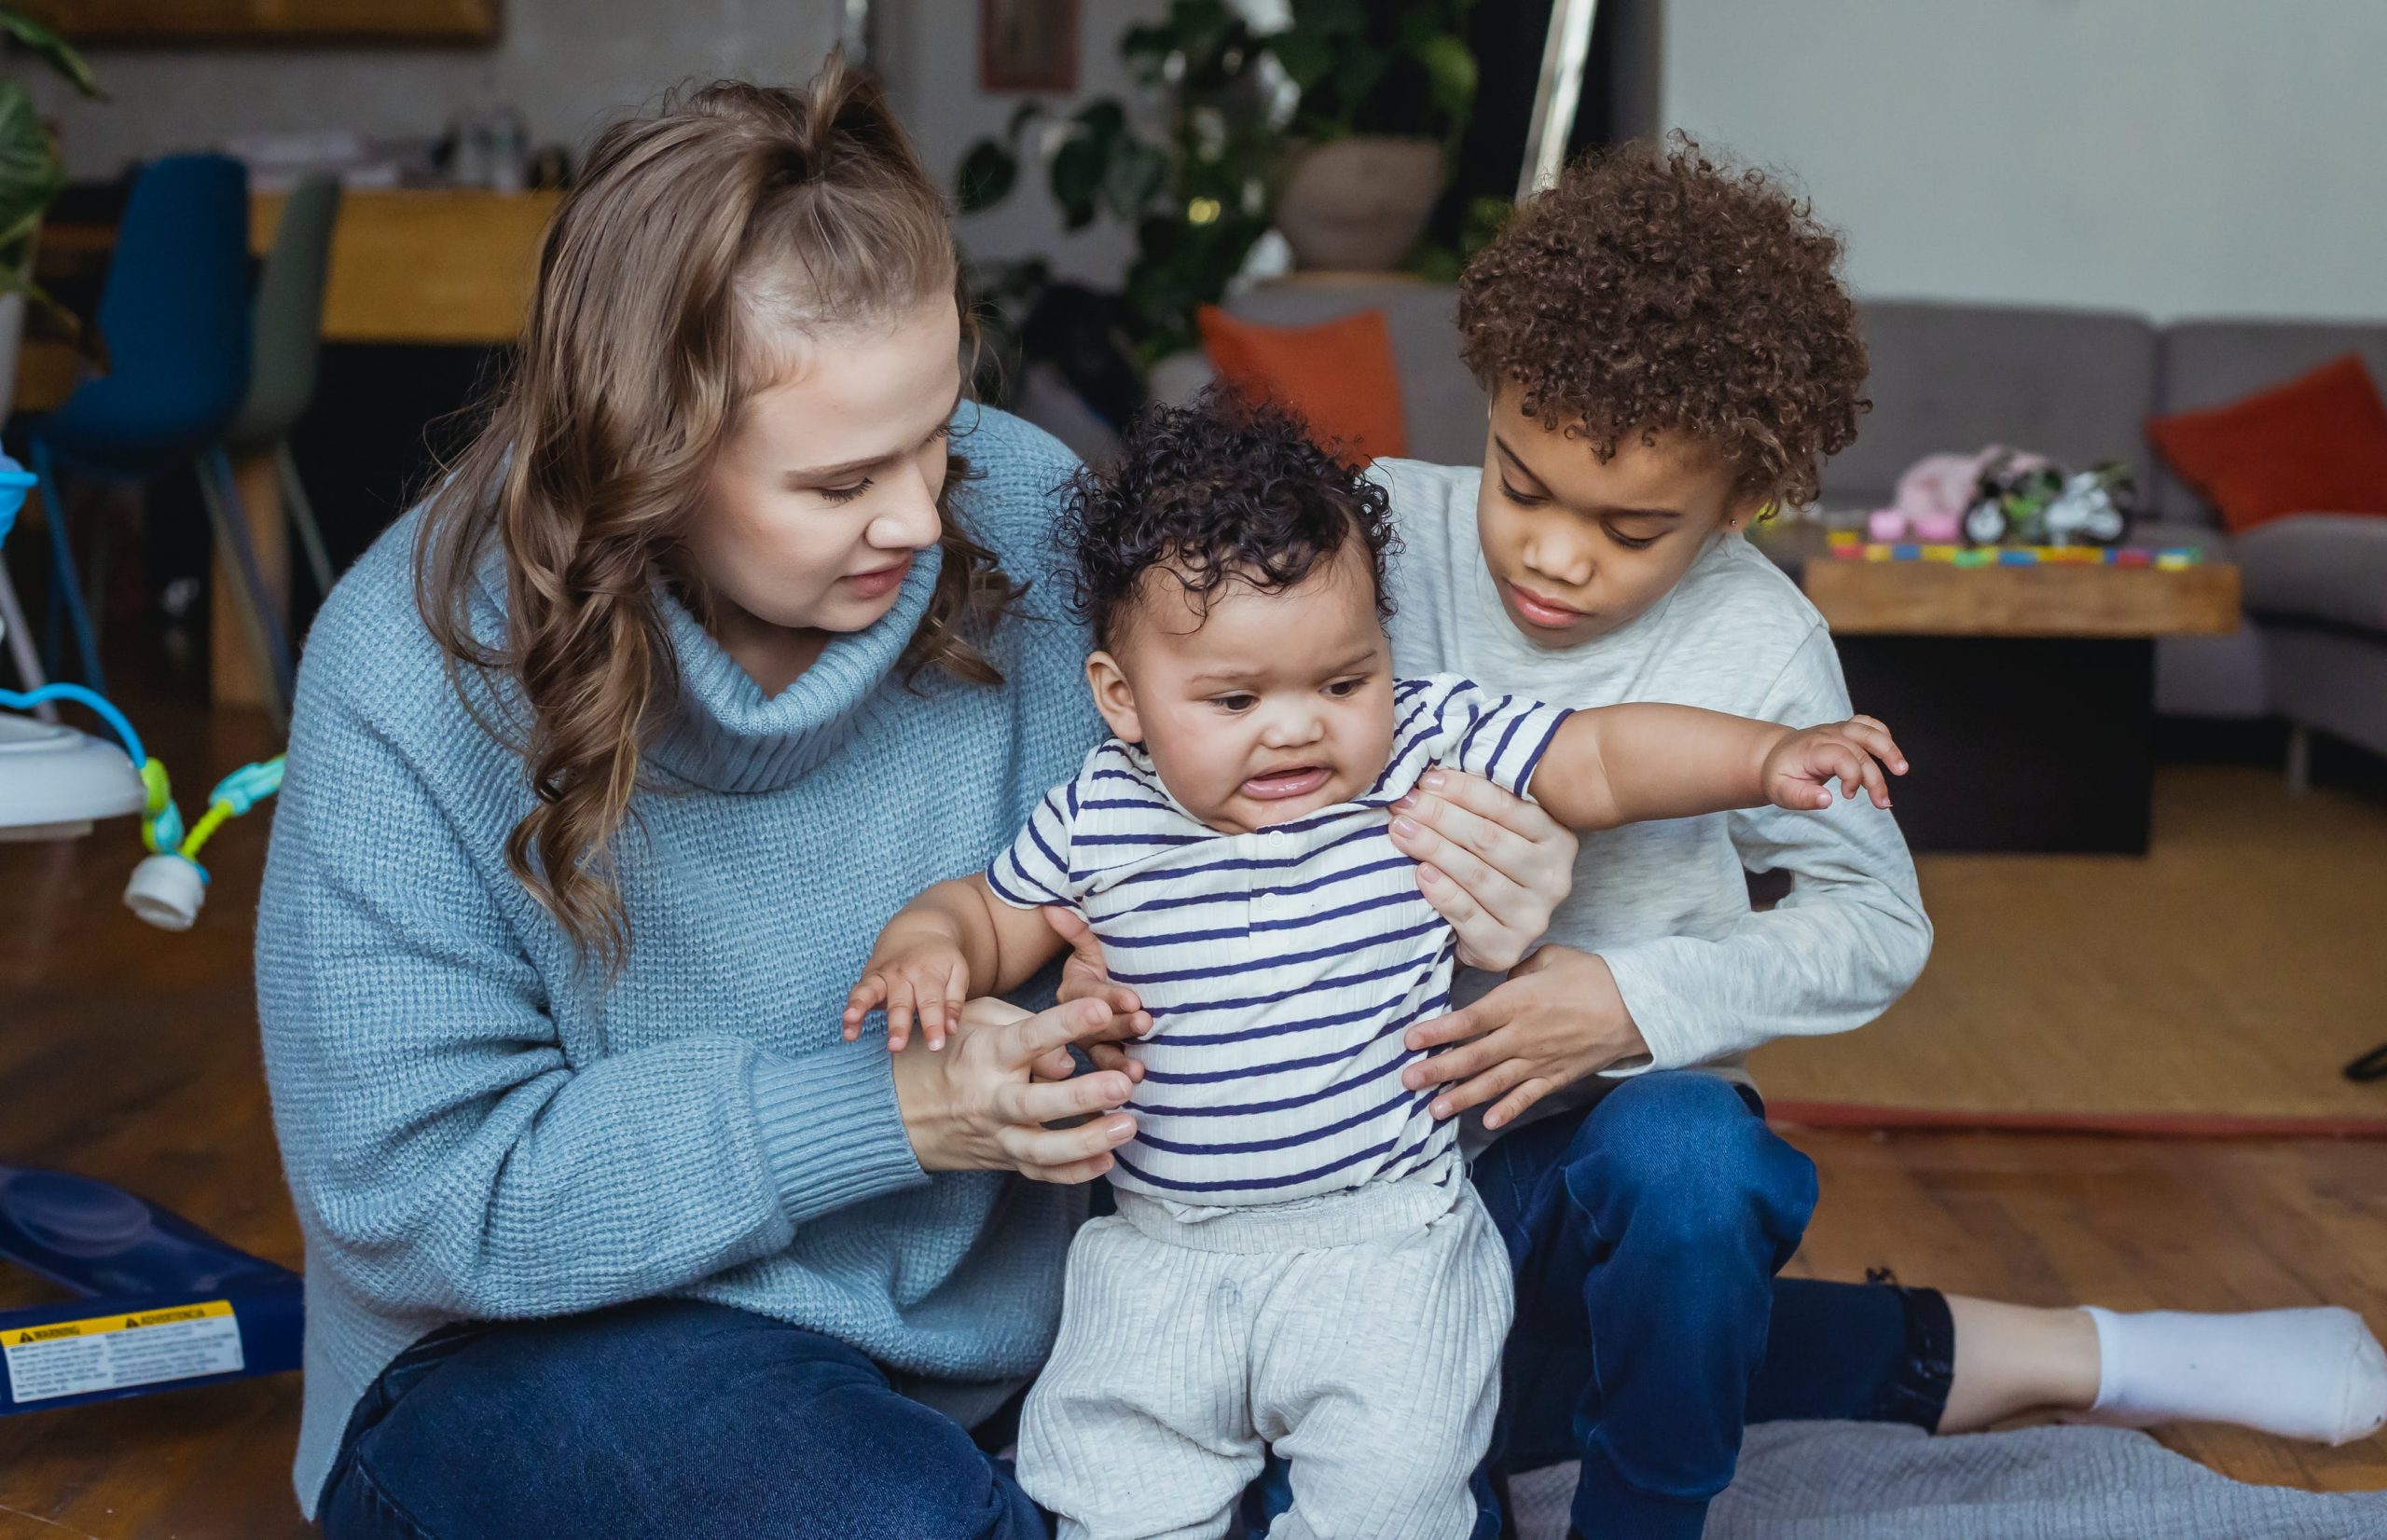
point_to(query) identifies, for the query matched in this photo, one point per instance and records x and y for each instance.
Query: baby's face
(1266, 706)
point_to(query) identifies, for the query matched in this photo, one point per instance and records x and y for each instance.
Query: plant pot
(1359, 204)
(12, 333)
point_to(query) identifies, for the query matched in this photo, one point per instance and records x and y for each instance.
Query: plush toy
(2035, 503)
(1937, 491)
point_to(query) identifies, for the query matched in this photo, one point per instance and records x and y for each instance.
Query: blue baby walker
(161, 1303)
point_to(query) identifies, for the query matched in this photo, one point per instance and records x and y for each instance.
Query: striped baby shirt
(1280, 967)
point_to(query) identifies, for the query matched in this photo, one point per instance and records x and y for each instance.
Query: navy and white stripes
(1280, 967)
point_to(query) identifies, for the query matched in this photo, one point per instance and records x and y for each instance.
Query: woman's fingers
(1049, 1101)
(1031, 1037)
(1027, 1147)
(1069, 1176)
(1087, 975)
(1112, 1056)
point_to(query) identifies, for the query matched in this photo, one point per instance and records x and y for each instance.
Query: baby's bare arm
(954, 941)
(1620, 764)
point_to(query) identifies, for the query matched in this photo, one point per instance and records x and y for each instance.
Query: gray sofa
(2077, 385)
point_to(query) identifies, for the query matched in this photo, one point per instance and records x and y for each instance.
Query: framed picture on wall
(1027, 44)
(272, 21)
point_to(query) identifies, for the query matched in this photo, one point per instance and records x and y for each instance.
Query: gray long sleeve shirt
(1667, 904)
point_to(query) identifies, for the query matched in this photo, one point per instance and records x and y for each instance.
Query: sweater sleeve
(1847, 940)
(453, 1159)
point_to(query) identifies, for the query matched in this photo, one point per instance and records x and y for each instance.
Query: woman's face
(826, 487)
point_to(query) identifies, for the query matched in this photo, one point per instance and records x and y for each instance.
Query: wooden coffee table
(2026, 695)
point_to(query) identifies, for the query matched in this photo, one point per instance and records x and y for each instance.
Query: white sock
(2312, 1374)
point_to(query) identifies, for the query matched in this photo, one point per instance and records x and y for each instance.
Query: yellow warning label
(100, 1325)
(116, 1352)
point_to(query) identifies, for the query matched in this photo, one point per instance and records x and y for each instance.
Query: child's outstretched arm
(954, 941)
(1619, 765)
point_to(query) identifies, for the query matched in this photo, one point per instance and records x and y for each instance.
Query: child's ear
(1114, 697)
(1749, 509)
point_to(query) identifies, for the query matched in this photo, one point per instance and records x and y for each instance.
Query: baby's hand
(1799, 771)
(929, 979)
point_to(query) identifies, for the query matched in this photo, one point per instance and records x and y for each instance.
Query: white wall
(567, 65)
(2175, 156)
(927, 54)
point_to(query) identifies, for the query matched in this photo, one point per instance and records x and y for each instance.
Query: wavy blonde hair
(695, 237)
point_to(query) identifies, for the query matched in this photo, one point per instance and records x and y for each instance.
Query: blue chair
(174, 317)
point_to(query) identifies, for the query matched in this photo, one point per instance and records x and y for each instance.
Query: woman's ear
(1113, 696)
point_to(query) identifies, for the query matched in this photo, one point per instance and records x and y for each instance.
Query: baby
(1297, 1258)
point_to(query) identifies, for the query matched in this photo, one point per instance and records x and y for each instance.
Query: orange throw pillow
(1338, 374)
(2316, 445)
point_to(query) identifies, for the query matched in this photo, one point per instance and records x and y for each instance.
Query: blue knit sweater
(472, 1128)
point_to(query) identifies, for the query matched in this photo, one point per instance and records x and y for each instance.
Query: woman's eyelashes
(837, 495)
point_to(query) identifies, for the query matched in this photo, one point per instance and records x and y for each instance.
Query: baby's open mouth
(1292, 781)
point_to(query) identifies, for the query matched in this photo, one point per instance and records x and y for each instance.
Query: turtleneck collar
(726, 736)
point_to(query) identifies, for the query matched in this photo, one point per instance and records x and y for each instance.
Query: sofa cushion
(2208, 362)
(2325, 568)
(2318, 441)
(1442, 407)
(1338, 374)
(2074, 385)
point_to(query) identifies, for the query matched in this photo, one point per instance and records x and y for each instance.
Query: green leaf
(1021, 116)
(1077, 173)
(988, 174)
(53, 50)
(1304, 55)
(30, 175)
(1134, 176)
(1450, 75)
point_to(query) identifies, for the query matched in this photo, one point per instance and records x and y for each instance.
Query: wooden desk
(435, 267)
(2024, 694)
(2062, 599)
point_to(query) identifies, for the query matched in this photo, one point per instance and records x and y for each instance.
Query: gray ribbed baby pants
(1358, 1333)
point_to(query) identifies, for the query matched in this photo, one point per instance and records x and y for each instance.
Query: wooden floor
(2230, 972)
(132, 1055)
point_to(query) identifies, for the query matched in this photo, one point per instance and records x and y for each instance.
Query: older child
(1670, 353)
(1298, 1261)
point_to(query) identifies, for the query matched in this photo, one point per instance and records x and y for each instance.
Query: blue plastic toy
(162, 1304)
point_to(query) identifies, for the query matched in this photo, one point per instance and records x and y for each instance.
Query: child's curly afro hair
(1655, 290)
(1220, 489)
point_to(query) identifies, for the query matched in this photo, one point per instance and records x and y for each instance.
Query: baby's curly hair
(1220, 489)
(1655, 290)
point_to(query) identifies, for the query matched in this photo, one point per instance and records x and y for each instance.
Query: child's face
(1264, 707)
(1578, 548)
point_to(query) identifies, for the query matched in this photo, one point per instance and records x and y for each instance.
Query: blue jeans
(1651, 1225)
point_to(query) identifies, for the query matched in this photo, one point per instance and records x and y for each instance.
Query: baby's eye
(1343, 689)
(1235, 704)
(1522, 500)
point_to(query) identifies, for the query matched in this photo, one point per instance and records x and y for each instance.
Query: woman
(606, 766)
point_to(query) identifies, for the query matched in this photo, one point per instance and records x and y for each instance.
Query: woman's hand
(981, 1105)
(1493, 864)
(1087, 977)
(1557, 1019)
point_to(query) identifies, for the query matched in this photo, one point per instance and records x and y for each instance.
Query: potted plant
(1386, 90)
(30, 175)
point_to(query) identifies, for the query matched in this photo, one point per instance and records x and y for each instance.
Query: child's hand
(1799, 772)
(927, 978)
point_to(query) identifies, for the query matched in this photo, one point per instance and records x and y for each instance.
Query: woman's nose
(908, 519)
